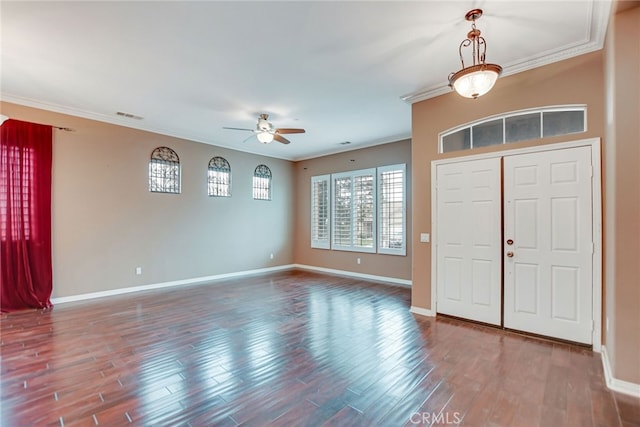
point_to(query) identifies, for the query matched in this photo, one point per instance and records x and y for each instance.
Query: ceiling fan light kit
(476, 79)
(265, 137)
(266, 132)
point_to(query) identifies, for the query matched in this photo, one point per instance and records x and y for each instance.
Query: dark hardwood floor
(288, 349)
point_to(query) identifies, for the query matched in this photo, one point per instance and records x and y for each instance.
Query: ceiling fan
(266, 133)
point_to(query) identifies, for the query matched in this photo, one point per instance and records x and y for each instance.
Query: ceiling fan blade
(281, 139)
(289, 130)
(250, 130)
(248, 138)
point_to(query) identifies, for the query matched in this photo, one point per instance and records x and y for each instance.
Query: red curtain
(25, 216)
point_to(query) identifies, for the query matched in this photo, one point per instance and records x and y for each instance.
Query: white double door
(514, 242)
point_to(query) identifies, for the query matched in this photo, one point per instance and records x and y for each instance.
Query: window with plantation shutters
(365, 212)
(392, 210)
(342, 212)
(354, 211)
(320, 190)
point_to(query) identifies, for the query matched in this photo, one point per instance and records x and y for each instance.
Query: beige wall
(622, 195)
(394, 266)
(106, 222)
(573, 81)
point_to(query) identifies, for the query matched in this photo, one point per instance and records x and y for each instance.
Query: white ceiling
(344, 71)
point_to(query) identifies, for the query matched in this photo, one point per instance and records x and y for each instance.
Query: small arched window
(219, 177)
(262, 183)
(164, 171)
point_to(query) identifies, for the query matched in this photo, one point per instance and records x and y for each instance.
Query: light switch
(424, 237)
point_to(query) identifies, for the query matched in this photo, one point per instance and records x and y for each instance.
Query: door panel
(547, 208)
(526, 288)
(468, 270)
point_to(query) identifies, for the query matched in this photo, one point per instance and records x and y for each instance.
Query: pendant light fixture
(476, 79)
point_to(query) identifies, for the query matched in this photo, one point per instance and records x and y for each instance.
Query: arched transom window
(516, 126)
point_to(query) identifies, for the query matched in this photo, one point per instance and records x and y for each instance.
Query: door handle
(509, 254)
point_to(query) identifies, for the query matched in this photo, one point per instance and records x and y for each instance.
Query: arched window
(516, 126)
(219, 177)
(262, 183)
(164, 171)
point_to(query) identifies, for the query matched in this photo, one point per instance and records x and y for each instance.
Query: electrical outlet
(271, 256)
(358, 260)
(139, 271)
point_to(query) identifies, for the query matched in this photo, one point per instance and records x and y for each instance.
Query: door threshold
(549, 339)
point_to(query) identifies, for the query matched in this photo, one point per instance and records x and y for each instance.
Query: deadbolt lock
(509, 242)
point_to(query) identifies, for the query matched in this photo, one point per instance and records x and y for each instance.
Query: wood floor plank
(289, 349)
(629, 409)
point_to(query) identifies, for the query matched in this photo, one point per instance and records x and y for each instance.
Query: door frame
(596, 209)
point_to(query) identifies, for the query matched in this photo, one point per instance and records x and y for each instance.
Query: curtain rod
(4, 118)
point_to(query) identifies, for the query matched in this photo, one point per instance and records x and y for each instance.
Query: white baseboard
(620, 386)
(192, 281)
(385, 279)
(422, 311)
(209, 279)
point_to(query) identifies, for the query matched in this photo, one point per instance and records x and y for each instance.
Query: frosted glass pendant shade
(475, 81)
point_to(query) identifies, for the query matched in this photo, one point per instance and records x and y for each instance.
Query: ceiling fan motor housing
(264, 125)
